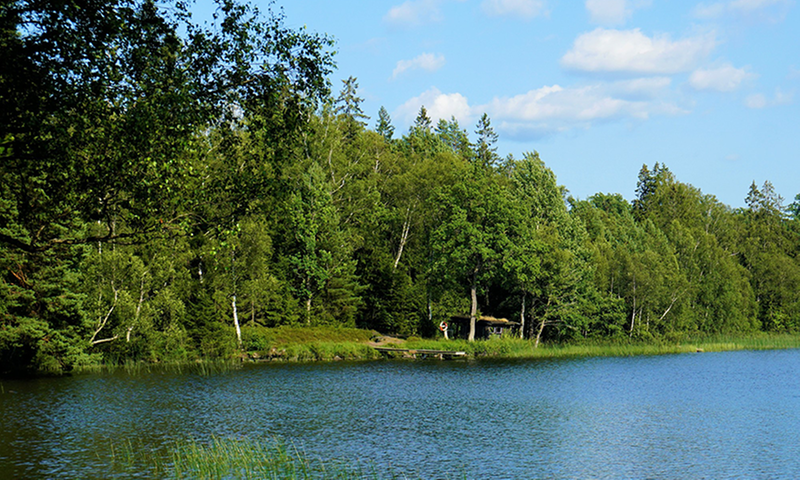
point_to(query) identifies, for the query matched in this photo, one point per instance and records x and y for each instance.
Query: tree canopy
(168, 188)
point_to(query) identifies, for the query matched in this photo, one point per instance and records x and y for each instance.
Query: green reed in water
(518, 348)
(199, 367)
(227, 458)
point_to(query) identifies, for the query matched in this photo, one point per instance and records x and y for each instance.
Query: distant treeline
(165, 184)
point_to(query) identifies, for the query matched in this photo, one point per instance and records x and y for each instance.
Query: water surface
(708, 415)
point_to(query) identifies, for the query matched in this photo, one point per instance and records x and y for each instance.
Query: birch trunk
(403, 237)
(539, 333)
(633, 311)
(541, 326)
(236, 322)
(473, 311)
(103, 321)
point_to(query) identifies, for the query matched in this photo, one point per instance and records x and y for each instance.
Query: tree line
(167, 187)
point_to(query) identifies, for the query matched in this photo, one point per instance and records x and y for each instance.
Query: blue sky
(597, 87)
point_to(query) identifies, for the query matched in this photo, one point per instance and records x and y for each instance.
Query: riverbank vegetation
(172, 191)
(222, 458)
(315, 344)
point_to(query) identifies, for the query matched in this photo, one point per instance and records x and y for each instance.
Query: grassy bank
(303, 344)
(323, 344)
(311, 344)
(518, 348)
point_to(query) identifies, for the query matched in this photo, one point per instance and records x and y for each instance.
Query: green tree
(768, 252)
(717, 296)
(319, 258)
(454, 137)
(485, 150)
(348, 105)
(551, 261)
(108, 97)
(476, 226)
(134, 300)
(105, 129)
(384, 126)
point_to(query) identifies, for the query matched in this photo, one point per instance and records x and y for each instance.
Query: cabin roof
(486, 320)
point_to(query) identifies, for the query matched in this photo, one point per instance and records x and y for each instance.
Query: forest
(167, 188)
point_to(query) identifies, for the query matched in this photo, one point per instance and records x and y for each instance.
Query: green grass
(226, 458)
(518, 348)
(199, 367)
(324, 351)
(302, 344)
(311, 344)
(330, 343)
(262, 337)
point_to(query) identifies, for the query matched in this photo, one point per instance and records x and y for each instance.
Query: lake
(704, 415)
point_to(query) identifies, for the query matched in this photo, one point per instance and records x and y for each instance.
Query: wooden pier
(421, 352)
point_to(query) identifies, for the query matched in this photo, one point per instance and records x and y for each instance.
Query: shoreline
(512, 348)
(498, 349)
(319, 350)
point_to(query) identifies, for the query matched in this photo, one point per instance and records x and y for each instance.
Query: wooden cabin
(485, 327)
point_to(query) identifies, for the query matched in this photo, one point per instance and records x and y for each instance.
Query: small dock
(421, 352)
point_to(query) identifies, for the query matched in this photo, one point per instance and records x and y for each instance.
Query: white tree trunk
(236, 322)
(403, 237)
(473, 312)
(539, 333)
(633, 311)
(102, 322)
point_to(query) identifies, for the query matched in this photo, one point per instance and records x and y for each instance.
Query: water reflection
(703, 416)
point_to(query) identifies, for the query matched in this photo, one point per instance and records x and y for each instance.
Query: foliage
(169, 190)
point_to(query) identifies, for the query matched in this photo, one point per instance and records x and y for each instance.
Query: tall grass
(310, 344)
(519, 348)
(139, 367)
(226, 458)
(323, 351)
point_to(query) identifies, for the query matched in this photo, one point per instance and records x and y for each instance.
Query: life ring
(443, 326)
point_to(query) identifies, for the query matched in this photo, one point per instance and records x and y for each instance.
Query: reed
(329, 344)
(228, 458)
(518, 348)
(141, 367)
(326, 351)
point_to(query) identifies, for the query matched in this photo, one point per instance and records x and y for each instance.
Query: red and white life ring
(443, 326)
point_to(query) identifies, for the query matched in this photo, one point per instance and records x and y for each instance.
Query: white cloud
(630, 51)
(768, 10)
(413, 13)
(750, 5)
(707, 11)
(725, 78)
(439, 106)
(613, 12)
(426, 61)
(520, 8)
(573, 104)
(554, 108)
(640, 88)
(759, 100)
(783, 98)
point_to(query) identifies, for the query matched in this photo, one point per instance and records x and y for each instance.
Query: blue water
(706, 415)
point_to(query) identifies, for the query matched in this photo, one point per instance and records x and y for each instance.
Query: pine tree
(349, 105)
(422, 122)
(384, 126)
(485, 151)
